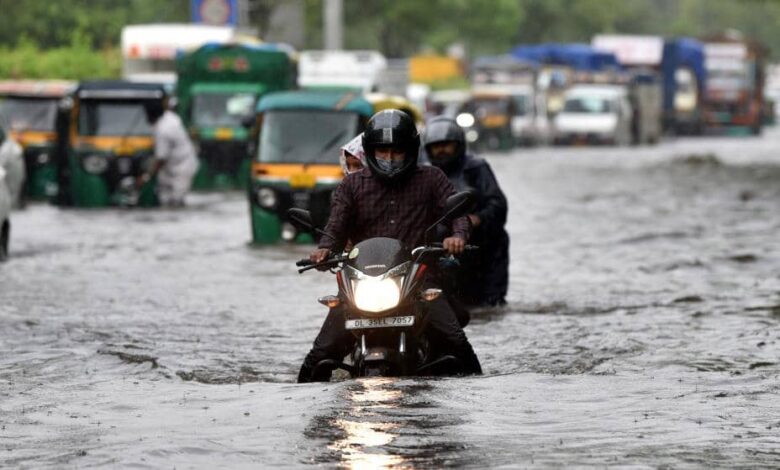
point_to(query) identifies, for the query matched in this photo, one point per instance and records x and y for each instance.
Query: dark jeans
(335, 342)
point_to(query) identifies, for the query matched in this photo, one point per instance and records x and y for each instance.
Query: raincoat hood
(353, 147)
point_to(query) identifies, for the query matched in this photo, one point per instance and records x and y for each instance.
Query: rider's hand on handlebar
(454, 245)
(319, 255)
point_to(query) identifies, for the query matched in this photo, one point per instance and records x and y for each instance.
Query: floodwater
(642, 331)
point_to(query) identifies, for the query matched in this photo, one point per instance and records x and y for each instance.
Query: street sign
(215, 12)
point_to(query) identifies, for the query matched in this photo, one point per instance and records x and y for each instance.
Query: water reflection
(387, 423)
(360, 446)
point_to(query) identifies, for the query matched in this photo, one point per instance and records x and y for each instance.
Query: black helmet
(391, 128)
(154, 110)
(444, 129)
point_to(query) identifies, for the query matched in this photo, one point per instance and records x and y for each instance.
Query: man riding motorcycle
(392, 197)
(485, 279)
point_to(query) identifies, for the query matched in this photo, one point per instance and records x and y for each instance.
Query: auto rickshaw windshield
(305, 136)
(29, 114)
(487, 106)
(113, 118)
(222, 109)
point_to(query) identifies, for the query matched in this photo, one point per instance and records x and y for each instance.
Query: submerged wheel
(4, 236)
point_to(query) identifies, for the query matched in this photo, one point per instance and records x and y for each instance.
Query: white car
(5, 211)
(12, 161)
(594, 114)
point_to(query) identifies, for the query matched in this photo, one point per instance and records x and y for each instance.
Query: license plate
(387, 322)
(303, 180)
(223, 133)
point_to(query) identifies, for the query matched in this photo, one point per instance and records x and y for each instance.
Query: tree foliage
(76, 38)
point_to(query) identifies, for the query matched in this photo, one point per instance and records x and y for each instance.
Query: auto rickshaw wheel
(4, 236)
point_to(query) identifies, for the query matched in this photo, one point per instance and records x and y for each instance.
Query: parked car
(594, 114)
(5, 211)
(12, 161)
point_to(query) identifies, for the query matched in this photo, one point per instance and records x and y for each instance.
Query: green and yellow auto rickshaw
(299, 134)
(29, 110)
(109, 144)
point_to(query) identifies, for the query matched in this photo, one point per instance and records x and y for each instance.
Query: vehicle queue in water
(269, 120)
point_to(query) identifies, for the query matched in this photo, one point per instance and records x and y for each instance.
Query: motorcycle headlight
(266, 197)
(472, 136)
(376, 294)
(95, 164)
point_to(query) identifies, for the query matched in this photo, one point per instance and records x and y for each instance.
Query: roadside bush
(75, 62)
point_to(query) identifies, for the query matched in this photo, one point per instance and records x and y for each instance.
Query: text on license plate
(379, 322)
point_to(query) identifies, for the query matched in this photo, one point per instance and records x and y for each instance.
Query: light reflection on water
(366, 433)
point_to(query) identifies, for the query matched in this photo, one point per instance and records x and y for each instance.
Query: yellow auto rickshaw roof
(382, 101)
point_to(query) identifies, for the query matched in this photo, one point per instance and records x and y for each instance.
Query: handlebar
(327, 263)
(306, 264)
(466, 248)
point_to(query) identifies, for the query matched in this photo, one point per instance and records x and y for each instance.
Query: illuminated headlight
(42, 158)
(95, 164)
(376, 294)
(465, 120)
(266, 197)
(472, 136)
(288, 232)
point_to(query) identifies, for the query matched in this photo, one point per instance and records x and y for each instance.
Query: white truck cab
(594, 114)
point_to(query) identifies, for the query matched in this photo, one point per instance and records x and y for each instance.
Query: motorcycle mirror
(456, 206)
(301, 218)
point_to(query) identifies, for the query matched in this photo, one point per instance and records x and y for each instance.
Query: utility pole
(333, 15)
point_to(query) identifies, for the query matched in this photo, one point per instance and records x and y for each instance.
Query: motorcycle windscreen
(376, 256)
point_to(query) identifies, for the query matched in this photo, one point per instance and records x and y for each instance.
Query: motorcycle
(384, 293)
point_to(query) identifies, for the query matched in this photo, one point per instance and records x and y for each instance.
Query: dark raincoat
(484, 275)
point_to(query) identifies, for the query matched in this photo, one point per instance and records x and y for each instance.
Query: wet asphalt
(641, 331)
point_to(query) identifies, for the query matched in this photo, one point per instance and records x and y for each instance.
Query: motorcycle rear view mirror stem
(456, 206)
(302, 219)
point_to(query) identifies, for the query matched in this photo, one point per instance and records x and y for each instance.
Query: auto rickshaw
(298, 135)
(29, 111)
(109, 144)
(487, 120)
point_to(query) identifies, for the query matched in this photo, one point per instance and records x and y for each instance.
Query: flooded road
(642, 331)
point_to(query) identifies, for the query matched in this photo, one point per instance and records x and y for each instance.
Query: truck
(557, 64)
(356, 70)
(680, 64)
(735, 83)
(218, 88)
(149, 51)
(595, 114)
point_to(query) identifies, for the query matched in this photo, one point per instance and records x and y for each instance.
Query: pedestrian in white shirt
(175, 162)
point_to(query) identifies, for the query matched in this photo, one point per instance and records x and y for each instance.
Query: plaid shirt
(364, 207)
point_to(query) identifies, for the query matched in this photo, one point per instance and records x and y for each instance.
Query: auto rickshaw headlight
(95, 164)
(266, 197)
(465, 119)
(472, 136)
(289, 232)
(42, 158)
